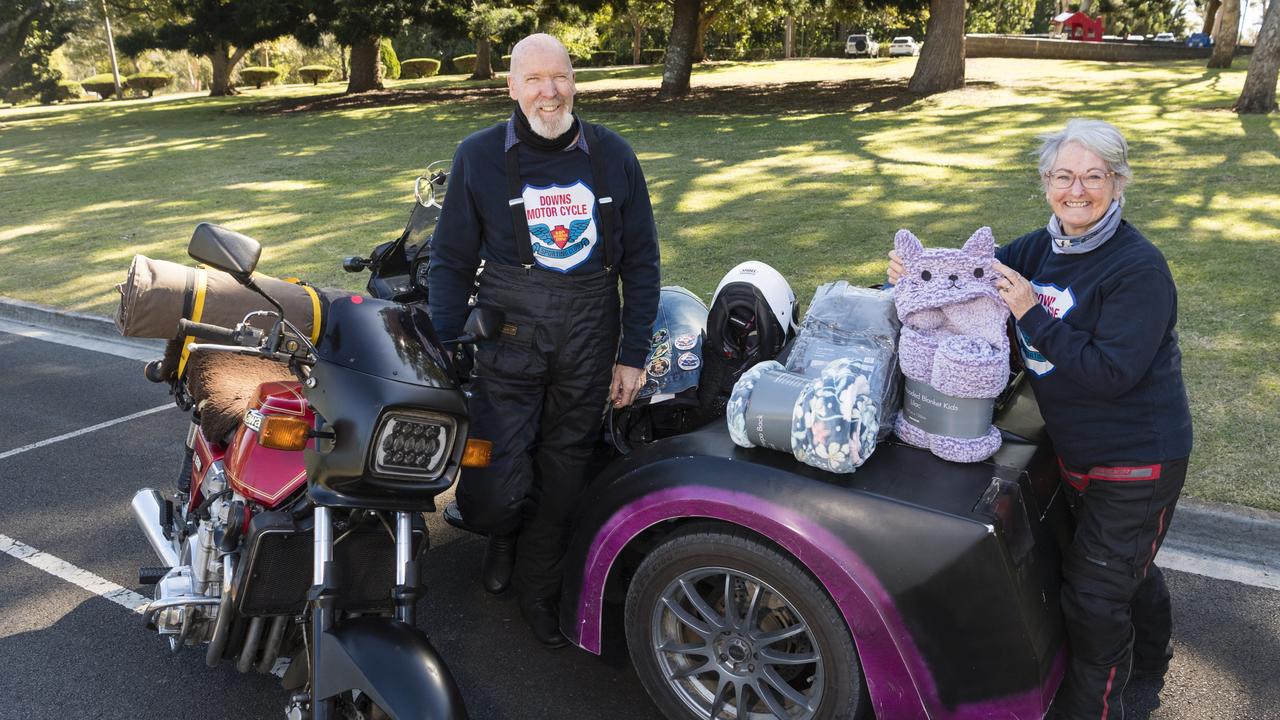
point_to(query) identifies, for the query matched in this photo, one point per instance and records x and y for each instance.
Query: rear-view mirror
(483, 324)
(225, 250)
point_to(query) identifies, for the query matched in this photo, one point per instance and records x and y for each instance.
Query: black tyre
(721, 625)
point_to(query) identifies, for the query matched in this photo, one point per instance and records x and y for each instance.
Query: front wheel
(721, 625)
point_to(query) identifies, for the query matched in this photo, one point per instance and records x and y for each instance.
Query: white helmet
(774, 288)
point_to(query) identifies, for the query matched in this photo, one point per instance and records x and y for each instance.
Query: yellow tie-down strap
(315, 308)
(197, 311)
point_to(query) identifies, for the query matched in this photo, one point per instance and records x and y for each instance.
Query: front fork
(324, 594)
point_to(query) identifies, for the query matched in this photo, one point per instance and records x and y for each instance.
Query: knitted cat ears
(981, 243)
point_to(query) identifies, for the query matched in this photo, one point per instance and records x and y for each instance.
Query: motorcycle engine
(205, 577)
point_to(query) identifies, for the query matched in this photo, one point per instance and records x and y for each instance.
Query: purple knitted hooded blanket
(954, 349)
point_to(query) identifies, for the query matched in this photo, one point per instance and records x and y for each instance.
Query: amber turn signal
(283, 433)
(477, 453)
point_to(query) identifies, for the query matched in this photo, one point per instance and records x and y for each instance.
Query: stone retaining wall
(1017, 46)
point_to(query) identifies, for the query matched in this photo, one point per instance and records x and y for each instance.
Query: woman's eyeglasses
(1063, 179)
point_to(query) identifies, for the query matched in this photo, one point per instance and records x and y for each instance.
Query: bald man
(559, 211)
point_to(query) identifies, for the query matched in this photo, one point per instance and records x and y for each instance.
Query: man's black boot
(544, 620)
(499, 559)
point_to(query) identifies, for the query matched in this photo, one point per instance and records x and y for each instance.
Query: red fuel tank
(262, 474)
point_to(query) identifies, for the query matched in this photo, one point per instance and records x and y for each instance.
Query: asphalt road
(66, 652)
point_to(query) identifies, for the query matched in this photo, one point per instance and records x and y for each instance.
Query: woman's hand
(896, 268)
(1014, 290)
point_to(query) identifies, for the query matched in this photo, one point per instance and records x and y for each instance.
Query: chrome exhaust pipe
(146, 510)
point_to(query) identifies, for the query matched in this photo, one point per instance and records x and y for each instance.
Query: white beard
(551, 129)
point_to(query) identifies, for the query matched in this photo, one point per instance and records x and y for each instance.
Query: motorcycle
(292, 540)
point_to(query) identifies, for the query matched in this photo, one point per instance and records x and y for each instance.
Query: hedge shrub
(68, 90)
(104, 84)
(314, 73)
(390, 63)
(259, 76)
(603, 58)
(465, 63)
(150, 82)
(756, 53)
(419, 67)
(652, 56)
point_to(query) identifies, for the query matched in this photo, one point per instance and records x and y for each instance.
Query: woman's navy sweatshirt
(1101, 349)
(562, 213)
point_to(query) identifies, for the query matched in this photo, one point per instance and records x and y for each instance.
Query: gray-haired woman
(1095, 308)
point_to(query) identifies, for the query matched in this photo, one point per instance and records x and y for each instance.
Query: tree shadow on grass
(859, 95)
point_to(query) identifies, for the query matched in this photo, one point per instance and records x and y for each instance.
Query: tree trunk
(1224, 44)
(1259, 93)
(366, 66)
(484, 63)
(637, 41)
(1210, 14)
(699, 43)
(679, 59)
(224, 62)
(941, 64)
(789, 39)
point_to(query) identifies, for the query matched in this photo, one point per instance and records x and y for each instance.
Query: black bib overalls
(539, 393)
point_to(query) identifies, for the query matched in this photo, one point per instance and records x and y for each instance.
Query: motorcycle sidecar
(753, 586)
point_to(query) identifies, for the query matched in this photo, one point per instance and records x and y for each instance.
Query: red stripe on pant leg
(1107, 693)
(1125, 473)
(1154, 541)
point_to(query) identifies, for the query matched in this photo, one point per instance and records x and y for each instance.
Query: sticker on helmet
(685, 342)
(659, 367)
(659, 337)
(688, 361)
(662, 350)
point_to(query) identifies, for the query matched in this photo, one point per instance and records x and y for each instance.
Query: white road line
(120, 348)
(1218, 568)
(72, 574)
(78, 433)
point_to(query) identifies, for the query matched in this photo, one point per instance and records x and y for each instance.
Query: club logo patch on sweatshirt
(1058, 302)
(562, 224)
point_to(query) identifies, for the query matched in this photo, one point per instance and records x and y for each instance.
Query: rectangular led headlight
(413, 445)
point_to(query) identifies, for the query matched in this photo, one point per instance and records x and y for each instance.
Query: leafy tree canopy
(30, 30)
(204, 27)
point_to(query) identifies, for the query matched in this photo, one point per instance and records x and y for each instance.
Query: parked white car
(1166, 37)
(903, 45)
(862, 45)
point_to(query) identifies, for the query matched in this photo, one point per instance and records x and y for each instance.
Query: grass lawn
(808, 165)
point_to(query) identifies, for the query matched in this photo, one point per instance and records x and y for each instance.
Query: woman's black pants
(1114, 599)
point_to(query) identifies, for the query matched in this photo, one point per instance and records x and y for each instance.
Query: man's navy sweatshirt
(1101, 349)
(476, 224)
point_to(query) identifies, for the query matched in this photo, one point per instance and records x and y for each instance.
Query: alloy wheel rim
(731, 646)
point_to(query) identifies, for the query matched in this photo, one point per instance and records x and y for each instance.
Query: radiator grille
(275, 571)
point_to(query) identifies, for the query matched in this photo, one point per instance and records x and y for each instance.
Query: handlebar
(217, 333)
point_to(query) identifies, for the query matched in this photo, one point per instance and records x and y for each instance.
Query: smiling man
(558, 210)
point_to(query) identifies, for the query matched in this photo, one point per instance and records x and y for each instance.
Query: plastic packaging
(859, 325)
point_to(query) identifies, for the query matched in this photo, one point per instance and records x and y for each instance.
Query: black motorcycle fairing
(383, 338)
(393, 663)
(375, 357)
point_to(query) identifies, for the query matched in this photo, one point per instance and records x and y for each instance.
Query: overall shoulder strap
(603, 199)
(515, 201)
